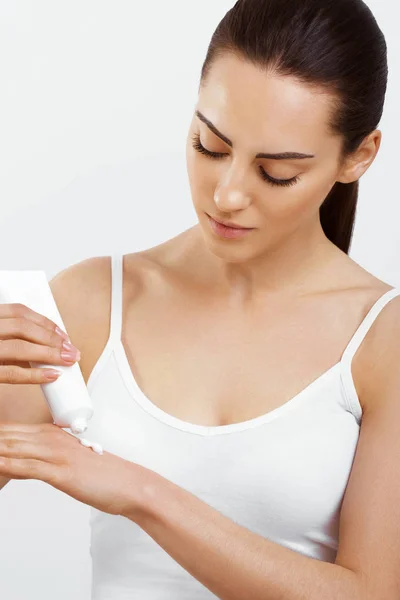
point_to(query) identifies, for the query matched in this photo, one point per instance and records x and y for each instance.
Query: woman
(246, 392)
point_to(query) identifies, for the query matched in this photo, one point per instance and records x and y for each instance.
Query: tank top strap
(366, 323)
(116, 297)
(354, 344)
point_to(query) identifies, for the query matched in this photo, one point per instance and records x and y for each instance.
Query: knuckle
(48, 324)
(9, 373)
(18, 309)
(10, 444)
(55, 340)
(45, 354)
(53, 354)
(35, 376)
(21, 326)
(14, 347)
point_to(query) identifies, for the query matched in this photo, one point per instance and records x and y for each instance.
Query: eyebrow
(277, 156)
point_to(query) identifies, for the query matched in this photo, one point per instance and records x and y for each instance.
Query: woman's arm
(231, 561)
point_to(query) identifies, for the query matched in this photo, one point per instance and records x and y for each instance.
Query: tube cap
(79, 425)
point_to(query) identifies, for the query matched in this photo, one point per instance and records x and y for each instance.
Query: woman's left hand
(50, 454)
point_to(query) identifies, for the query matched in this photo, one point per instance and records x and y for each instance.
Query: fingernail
(71, 357)
(52, 374)
(71, 351)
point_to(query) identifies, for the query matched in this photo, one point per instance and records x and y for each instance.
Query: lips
(231, 225)
(230, 233)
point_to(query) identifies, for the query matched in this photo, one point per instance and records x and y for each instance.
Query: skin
(288, 251)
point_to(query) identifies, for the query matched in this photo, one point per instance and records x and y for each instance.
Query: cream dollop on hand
(95, 447)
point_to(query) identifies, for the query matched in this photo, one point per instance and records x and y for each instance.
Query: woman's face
(259, 113)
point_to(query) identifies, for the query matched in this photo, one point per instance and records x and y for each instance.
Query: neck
(299, 266)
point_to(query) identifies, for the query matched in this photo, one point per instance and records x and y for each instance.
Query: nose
(229, 200)
(232, 194)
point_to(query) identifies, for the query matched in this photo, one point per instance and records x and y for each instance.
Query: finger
(21, 350)
(17, 468)
(21, 310)
(17, 436)
(26, 428)
(19, 328)
(22, 375)
(15, 448)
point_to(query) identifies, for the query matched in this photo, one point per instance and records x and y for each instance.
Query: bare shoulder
(379, 364)
(82, 294)
(379, 353)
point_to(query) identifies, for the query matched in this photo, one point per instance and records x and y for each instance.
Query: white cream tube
(67, 397)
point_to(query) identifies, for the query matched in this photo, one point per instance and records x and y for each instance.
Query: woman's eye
(273, 181)
(197, 145)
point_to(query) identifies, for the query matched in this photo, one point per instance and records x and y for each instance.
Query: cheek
(292, 205)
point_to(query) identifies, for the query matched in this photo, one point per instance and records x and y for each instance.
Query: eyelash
(197, 145)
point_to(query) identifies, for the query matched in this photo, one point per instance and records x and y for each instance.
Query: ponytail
(337, 214)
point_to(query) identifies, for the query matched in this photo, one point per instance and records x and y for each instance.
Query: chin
(226, 250)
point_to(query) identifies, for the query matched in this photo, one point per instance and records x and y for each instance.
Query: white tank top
(281, 475)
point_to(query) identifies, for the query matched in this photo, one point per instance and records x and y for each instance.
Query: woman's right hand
(27, 336)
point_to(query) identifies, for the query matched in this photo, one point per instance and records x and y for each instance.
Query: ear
(357, 163)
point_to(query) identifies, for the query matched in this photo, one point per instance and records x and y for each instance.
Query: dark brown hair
(332, 44)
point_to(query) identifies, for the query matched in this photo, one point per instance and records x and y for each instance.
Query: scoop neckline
(211, 430)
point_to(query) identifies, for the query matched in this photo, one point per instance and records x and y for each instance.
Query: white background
(96, 100)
